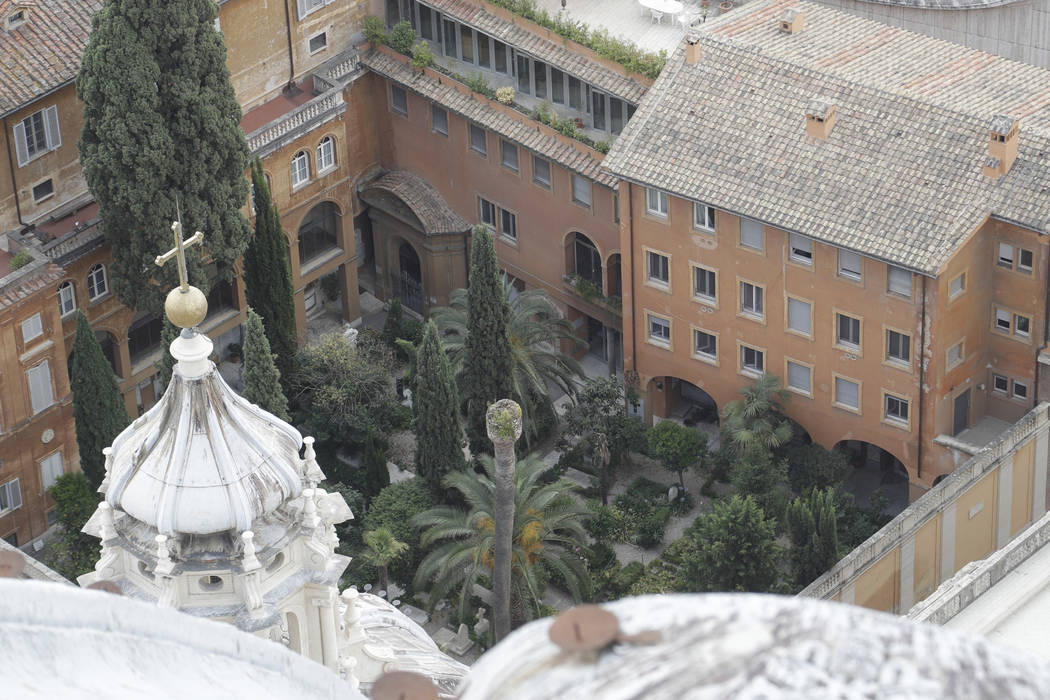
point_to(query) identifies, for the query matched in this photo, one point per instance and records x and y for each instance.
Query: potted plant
(725, 5)
(505, 94)
(578, 122)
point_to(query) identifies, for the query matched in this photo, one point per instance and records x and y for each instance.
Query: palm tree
(383, 549)
(757, 420)
(548, 536)
(535, 331)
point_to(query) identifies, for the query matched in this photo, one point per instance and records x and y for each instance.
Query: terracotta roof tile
(423, 199)
(45, 51)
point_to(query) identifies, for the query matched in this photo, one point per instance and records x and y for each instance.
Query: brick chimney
(692, 49)
(820, 118)
(792, 21)
(1002, 146)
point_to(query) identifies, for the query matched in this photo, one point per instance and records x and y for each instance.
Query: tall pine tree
(262, 385)
(98, 408)
(161, 121)
(439, 442)
(487, 358)
(813, 526)
(268, 278)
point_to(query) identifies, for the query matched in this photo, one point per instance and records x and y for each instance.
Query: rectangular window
(659, 330)
(847, 393)
(1024, 261)
(440, 119)
(524, 74)
(1022, 326)
(598, 109)
(898, 347)
(43, 190)
(399, 99)
(655, 202)
(800, 377)
(41, 395)
(751, 235)
(659, 269)
(508, 224)
(581, 190)
(557, 86)
(703, 217)
(67, 301)
(50, 469)
(500, 51)
(1006, 255)
(1000, 384)
(449, 31)
(850, 265)
(896, 409)
(1002, 320)
(1020, 390)
(955, 354)
(426, 23)
(10, 495)
(800, 316)
(801, 249)
(37, 134)
(308, 6)
(541, 171)
(899, 281)
(510, 155)
(484, 54)
(848, 330)
(488, 213)
(751, 301)
(752, 360)
(477, 139)
(318, 42)
(705, 284)
(575, 93)
(615, 115)
(541, 79)
(32, 328)
(466, 43)
(705, 345)
(957, 286)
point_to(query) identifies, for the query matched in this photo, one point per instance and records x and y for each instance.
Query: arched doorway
(682, 401)
(614, 285)
(294, 633)
(586, 261)
(411, 277)
(318, 233)
(875, 470)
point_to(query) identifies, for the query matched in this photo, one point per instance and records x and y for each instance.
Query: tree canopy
(436, 406)
(733, 549)
(161, 121)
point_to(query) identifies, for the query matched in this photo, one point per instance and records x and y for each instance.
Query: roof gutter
(37, 98)
(11, 169)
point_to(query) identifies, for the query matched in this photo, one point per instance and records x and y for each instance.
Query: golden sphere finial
(186, 308)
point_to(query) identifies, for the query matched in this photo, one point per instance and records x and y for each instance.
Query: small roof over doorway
(415, 201)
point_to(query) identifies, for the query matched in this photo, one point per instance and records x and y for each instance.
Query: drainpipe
(1046, 327)
(11, 169)
(288, 33)
(634, 316)
(922, 373)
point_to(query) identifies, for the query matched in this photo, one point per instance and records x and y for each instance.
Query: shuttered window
(37, 134)
(40, 394)
(51, 468)
(10, 495)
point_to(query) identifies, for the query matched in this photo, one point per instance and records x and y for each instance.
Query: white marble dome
(203, 460)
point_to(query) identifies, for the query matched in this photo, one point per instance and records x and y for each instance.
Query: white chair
(658, 16)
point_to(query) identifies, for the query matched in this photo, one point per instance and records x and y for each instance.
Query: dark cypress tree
(392, 325)
(813, 526)
(268, 278)
(262, 384)
(161, 120)
(487, 360)
(439, 442)
(377, 475)
(167, 335)
(98, 408)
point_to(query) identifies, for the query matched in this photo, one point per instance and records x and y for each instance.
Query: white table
(659, 8)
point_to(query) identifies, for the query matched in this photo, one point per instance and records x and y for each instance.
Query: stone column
(503, 423)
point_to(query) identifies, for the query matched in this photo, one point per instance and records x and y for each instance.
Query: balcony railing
(302, 119)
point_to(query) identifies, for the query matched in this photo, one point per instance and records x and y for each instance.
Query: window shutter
(54, 133)
(40, 393)
(14, 494)
(303, 5)
(21, 149)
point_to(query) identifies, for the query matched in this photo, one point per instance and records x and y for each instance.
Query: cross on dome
(185, 306)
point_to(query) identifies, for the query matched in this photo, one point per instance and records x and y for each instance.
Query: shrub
(505, 94)
(572, 458)
(374, 30)
(625, 578)
(651, 529)
(422, 56)
(477, 83)
(402, 38)
(393, 508)
(813, 467)
(600, 556)
(330, 286)
(21, 259)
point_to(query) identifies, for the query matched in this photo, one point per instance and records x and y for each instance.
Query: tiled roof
(474, 14)
(17, 287)
(44, 52)
(899, 178)
(513, 127)
(423, 199)
(893, 59)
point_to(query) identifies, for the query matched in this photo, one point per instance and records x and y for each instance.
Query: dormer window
(16, 19)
